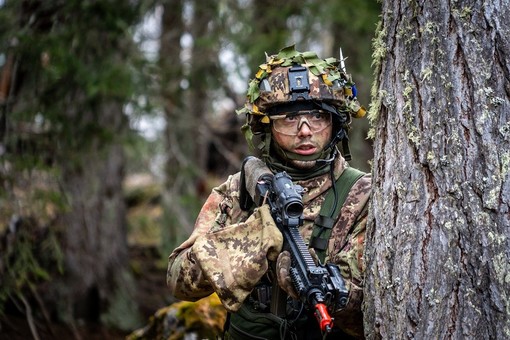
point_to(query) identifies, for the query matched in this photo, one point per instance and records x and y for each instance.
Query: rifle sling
(323, 224)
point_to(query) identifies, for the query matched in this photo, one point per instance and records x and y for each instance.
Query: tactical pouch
(249, 324)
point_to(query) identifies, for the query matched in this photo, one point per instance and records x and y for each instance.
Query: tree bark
(437, 248)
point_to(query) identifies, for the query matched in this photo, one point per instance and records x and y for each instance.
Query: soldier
(301, 107)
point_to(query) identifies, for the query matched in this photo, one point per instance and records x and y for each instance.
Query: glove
(235, 258)
(283, 269)
(282, 274)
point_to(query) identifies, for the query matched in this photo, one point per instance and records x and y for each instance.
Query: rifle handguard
(321, 287)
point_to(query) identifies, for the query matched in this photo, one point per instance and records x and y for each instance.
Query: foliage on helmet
(270, 87)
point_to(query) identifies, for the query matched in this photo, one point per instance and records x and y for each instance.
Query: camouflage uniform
(233, 252)
(221, 212)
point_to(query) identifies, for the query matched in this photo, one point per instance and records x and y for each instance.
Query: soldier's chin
(303, 165)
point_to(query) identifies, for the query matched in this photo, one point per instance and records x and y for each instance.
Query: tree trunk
(95, 226)
(187, 107)
(180, 130)
(204, 76)
(437, 251)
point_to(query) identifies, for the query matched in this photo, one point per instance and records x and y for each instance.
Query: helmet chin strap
(331, 159)
(342, 136)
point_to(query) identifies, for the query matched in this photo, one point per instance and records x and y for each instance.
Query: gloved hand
(282, 272)
(235, 258)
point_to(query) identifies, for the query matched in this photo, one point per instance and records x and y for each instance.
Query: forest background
(116, 120)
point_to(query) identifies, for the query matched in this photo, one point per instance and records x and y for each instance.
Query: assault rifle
(320, 287)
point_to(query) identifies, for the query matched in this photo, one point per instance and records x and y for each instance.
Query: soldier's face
(306, 141)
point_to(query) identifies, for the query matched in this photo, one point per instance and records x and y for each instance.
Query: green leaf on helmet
(244, 110)
(253, 90)
(333, 75)
(332, 61)
(288, 52)
(312, 59)
(248, 135)
(299, 59)
(314, 70)
(309, 55)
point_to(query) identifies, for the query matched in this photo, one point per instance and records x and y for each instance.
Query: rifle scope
(289, 195)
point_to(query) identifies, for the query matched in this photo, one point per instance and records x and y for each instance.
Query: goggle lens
(290, 123)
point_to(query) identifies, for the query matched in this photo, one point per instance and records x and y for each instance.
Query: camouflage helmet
(301, 80)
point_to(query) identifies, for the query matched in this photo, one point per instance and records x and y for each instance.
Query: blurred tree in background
(70, 68)
(95, 92)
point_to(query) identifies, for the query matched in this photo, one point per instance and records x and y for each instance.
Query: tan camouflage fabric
(187, 280)
(236, 257)
(280, 92)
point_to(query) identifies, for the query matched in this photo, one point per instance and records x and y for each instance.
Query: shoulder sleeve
(184, 276)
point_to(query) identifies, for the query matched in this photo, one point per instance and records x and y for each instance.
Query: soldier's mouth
(306, 149)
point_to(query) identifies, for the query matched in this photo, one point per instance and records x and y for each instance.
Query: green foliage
(72, 59)
(122, 312)
(74, 56)
(75, 68)
(143, 198)
(27, 254)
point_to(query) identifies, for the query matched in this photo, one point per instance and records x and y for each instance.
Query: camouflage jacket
(221, 210)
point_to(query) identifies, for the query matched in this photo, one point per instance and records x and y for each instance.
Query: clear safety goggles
(290, 123)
